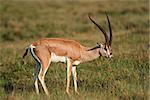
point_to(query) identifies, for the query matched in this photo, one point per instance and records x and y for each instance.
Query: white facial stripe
(105, 52)
(55, 58)
(108, 52)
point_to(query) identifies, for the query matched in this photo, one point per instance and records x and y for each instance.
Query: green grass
(126, 76)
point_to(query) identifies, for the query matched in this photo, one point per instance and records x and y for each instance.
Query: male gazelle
(71, 52)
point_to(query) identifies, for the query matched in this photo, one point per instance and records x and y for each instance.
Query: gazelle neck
(89, 55)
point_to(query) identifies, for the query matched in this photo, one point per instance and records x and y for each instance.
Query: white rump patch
(55, 58)
(32, 51)
(31, 46)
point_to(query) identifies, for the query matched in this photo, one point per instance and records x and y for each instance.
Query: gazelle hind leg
(74, 73)
(36, 86)
(36, 73)
(44, 58)
(42, 75)
(37, 69)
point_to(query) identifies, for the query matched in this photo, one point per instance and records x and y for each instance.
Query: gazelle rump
(71, 52)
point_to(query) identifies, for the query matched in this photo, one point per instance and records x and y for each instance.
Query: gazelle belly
(56, 58)
(76, 62)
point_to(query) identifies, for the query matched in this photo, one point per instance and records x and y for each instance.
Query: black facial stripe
(100, 54)
(93, 48)
(105, 49)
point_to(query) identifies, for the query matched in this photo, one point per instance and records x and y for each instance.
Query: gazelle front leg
(74, 73)
(69, 68)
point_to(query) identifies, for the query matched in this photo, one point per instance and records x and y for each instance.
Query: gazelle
(71, 52)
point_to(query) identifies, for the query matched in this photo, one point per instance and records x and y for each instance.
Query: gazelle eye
(111, 53)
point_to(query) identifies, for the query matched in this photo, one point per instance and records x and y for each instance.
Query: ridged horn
(110, 30)
(103, 31)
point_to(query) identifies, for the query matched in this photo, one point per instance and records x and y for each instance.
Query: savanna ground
(126, 76)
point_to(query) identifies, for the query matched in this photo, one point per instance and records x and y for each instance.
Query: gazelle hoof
(77, 92)
(68, 93)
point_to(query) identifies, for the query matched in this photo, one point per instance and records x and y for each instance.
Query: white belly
(55, 58)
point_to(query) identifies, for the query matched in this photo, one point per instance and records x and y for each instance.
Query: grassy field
(124, 77)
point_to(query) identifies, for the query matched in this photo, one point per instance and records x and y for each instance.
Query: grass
(126, 76)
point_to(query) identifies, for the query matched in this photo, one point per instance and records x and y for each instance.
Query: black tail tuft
(25, 53)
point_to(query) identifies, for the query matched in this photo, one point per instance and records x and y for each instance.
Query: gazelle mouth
(110, 56)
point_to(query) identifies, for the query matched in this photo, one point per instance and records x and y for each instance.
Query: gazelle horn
(103, 31)
(110, 30)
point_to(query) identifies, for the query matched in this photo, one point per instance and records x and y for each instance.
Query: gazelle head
(104, 48)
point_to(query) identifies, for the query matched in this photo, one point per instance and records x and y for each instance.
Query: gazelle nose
(111, 56)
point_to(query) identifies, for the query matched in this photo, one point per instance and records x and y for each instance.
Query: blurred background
(126, 76)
